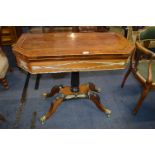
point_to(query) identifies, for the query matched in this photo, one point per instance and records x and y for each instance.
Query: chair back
(147, 34)
(147, 38)
(142, 59)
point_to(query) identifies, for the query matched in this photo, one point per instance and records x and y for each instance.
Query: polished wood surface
(66, 52)
(70, 44)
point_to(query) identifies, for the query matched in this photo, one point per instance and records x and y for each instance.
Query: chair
(4, 65)
(142, 64)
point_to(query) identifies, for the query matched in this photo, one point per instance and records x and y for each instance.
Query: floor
(77, 114)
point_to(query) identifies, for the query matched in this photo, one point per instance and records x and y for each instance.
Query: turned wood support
(4, 83)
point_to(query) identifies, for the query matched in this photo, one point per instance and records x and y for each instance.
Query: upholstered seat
(4, 65)
(147, 34)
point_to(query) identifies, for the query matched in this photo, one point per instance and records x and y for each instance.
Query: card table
(72, 52)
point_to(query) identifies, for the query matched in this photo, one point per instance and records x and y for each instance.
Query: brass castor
(43, 119)
(108, 112)
(45, 95)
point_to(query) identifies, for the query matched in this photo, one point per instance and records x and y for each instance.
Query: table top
(71, 44)
(69, 52)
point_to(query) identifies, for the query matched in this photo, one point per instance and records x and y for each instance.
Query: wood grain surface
(65, 52)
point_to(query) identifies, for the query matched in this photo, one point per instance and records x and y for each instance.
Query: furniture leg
(2, 118)
(75, 80)
(10, 69)
(142, 97)
(4, 83)
(52, 109)
(37, 81)
(53, 91)
(92, 87)
(125, 77)
(96, 99)
(74, 91)
(24, 92)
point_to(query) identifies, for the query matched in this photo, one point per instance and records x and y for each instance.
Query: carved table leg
(52, 109)
(92, 87)
(67, 93)
(2, 118)
(4, 83)
(53, 91)
(96, 99)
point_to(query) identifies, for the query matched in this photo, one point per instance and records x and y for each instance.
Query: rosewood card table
(72, 52)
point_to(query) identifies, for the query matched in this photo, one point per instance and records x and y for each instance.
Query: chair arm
(144, 50)
(149, 79)
(152, 56)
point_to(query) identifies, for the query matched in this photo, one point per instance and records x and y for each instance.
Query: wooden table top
(70, 44)
(66, 52)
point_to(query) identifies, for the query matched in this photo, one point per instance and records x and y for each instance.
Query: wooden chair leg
(4, 83)
(125, 77)
(142, 97)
